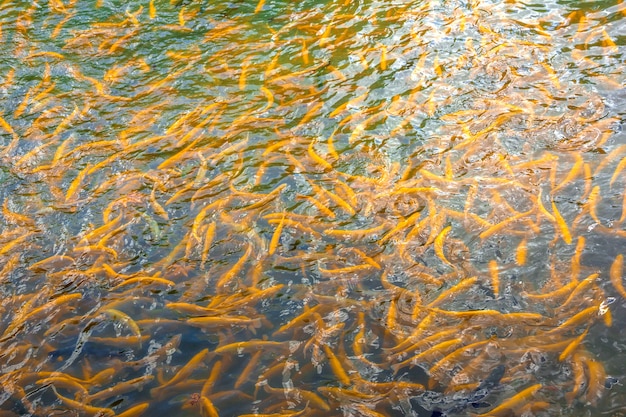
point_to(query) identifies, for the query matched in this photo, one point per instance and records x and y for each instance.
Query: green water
(317, 179)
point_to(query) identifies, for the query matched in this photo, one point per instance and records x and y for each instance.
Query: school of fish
(332, 208)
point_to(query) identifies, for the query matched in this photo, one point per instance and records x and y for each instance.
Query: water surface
(313, 208)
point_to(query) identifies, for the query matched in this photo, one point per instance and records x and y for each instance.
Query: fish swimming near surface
(282, 206)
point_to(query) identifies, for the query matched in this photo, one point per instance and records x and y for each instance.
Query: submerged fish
(441, 405)
(92, 350)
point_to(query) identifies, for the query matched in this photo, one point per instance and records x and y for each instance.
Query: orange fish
(616, 274)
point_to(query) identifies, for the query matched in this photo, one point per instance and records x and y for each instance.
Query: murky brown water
(314, 208)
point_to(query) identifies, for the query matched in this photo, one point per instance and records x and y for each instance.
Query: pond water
(315, 208)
